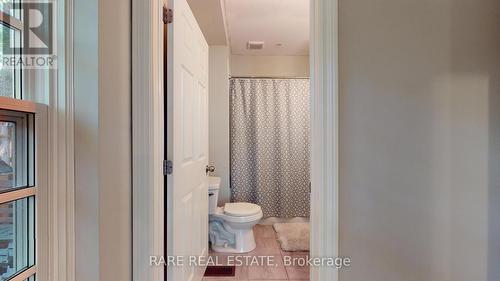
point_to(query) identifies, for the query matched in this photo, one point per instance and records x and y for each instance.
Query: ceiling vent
(255, 45)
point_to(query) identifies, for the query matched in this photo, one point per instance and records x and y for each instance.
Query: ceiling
(211, 19)
(283, 26)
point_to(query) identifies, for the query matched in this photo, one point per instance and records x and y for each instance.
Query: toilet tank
(213, 193)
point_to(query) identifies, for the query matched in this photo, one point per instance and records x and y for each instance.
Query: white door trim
(147, 136)
(147, 139)
(62, 153)
(58, 202)
(324, 136)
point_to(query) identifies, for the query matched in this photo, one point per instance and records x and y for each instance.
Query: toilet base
(245, 242)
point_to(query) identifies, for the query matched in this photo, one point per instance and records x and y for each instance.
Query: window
(17, 194)
(17, 158)
(11, 28)
(8, 7)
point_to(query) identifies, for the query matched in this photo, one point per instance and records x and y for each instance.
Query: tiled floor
(267, 245)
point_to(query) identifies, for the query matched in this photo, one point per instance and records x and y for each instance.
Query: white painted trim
(61, 191)
(56, 199)
(324, 136)
(147, 138)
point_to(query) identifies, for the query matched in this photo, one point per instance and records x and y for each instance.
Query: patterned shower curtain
(270, 145)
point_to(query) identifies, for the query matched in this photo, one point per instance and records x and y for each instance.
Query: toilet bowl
(236, 218)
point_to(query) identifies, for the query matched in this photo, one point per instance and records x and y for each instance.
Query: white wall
(219, 117)
(273, 66)
(115, 141)
(86, 140)
(102, 140)
(419, 139)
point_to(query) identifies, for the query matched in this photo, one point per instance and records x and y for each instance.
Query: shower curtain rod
(266, 77)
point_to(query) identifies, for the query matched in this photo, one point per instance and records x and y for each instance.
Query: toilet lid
(241, 209)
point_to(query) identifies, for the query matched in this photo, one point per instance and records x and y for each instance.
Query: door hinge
(167, 167)
(168, 15)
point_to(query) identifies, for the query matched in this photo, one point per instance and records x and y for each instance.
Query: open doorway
(184, 211)
(259, 134)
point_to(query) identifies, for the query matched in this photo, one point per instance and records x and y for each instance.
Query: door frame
(148, 136)
(324, 135)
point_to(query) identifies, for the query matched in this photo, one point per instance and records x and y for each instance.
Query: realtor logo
(32, 40)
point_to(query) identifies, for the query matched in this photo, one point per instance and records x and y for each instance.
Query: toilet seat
(241, 209)
(221, 214)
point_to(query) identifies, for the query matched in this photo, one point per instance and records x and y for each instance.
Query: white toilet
(236, 218)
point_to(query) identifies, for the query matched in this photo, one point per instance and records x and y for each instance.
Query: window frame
(54, 214)
(16, 24)
(24, 133)
(22, 106)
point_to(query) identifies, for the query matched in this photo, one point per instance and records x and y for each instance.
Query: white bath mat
(293, 236)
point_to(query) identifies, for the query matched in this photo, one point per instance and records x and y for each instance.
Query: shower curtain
(270, 145)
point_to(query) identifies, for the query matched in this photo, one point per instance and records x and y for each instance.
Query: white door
(187, 142)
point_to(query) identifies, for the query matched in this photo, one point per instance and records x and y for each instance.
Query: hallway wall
(86, 140)
(115, 140)
(102, 88)
(419, 139)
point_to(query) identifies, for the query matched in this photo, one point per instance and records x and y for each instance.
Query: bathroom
(259, 135)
